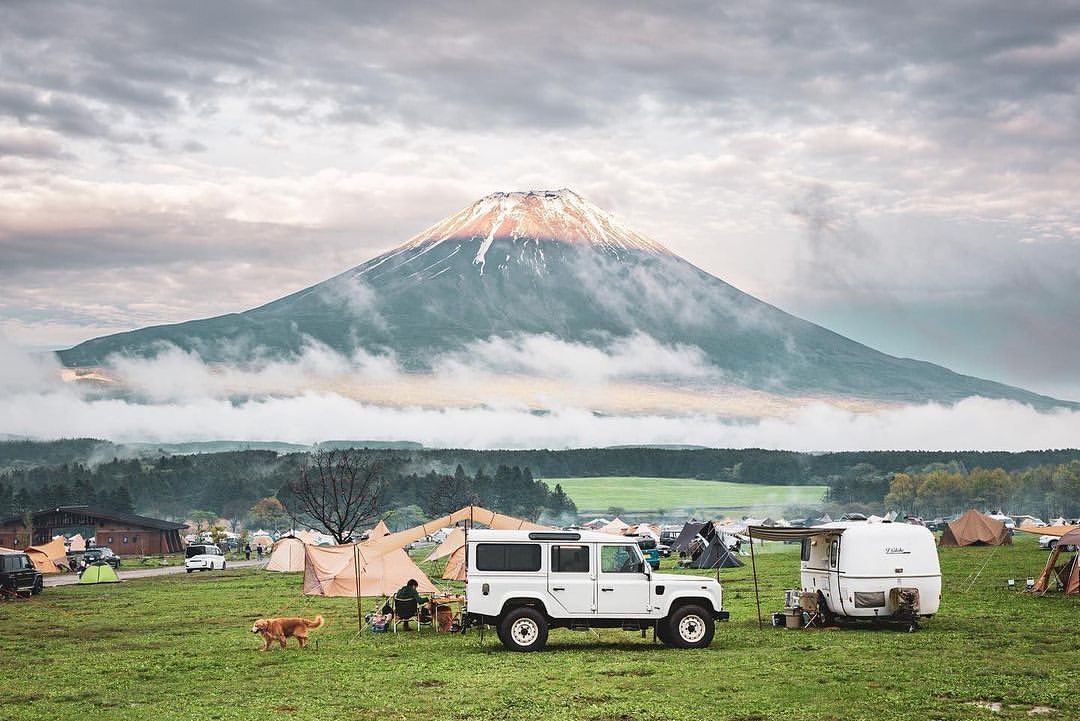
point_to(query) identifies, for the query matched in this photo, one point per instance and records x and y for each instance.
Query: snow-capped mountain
(550, 264)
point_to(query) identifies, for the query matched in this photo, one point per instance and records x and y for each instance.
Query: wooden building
(124, 533)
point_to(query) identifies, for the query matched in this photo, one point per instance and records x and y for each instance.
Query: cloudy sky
(904, 174)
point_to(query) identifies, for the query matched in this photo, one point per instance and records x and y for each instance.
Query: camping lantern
(1030, 584)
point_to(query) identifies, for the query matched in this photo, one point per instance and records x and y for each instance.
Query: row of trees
(14, 502)
(1046, 490)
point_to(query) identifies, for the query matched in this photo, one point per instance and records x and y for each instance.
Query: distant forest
(40, 474)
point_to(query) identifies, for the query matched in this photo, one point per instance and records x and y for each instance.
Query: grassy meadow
(178, 647)
(638, 494)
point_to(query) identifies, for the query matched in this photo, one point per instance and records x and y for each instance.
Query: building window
(134, 539)
(125, 540)
(110, 539)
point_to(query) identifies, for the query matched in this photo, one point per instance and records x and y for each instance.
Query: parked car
(1051, 542)
(18, 575)
(650, 549)
(98, 554)
(203, 557)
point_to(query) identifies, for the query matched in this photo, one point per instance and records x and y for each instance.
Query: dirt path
(127, 574)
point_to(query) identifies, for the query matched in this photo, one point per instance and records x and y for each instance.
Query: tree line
(1045, 491)
(230, 483)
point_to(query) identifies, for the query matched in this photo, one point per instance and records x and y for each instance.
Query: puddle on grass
(997, 707)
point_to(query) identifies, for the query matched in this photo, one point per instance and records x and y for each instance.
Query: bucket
(793, 619)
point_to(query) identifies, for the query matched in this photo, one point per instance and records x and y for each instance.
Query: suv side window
(570, 559)
(620, 559)
(508, 556)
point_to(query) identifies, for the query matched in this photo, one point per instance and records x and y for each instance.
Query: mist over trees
(247, 484)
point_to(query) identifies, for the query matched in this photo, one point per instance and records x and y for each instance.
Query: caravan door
(572, 578)
(835, 594)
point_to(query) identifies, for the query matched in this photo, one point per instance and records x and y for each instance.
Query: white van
(203, 557)
(884, 571)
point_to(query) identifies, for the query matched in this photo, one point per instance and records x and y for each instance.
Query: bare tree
(337, 489)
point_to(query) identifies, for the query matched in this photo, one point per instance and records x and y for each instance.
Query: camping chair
(407, 609)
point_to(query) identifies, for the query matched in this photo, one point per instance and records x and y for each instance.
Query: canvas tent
(455, 566)
(450, 544)
(49, 557)
(380, 530)
(287, 555)
(98, 573)
(975, 529)
(262, 540)
(345, 571)
(689, 532)
(77, 543)
(708, 550)
(617, 526)
(1068, 575)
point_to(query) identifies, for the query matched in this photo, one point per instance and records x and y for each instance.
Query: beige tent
(287, 556)
(77, 543)
(617, 527)
(454, 541)
(262, 540)
(455, 566)
(345, 570)
(49, 557)
(380, 530)
(975, 529)
(484, 517)
(1068, 575)
(473, 514)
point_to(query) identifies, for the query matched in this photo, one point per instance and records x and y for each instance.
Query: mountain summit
(549, 264)
(557, 216)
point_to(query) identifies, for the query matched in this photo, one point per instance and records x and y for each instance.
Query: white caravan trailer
(862, 570)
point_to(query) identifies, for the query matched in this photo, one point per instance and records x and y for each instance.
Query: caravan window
(834, 552)
(508, 556)
(570, 559)
(806, 549)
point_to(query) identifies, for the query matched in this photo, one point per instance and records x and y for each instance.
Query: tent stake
(753, 563)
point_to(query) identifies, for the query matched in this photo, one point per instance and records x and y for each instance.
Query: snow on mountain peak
(559, 216)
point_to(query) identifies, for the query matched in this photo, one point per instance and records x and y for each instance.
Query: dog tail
(316, 623)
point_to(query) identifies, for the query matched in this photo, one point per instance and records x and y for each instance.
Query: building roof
(106, 515)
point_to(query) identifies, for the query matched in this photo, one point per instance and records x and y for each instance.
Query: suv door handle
(558, 588)
(607, 589)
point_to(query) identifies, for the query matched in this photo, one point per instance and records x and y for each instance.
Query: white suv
(526, 582)
(203, 557)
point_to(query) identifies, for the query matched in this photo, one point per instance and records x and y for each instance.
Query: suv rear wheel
(523, 629)
(690, 626)
(38, 585)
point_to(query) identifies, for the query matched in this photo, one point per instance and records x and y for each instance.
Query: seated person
(408, 592)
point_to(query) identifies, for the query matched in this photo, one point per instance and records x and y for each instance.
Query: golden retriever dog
(279, 629)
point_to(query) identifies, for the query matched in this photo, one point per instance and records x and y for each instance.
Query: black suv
(18, 575)
(98, 554)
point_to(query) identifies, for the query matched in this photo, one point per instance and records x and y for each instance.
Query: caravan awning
(776, 533)
(1057, 531)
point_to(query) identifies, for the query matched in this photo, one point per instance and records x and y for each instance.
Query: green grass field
(178, 647)
(633, 493)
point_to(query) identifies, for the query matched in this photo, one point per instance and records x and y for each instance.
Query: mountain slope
(549, 263)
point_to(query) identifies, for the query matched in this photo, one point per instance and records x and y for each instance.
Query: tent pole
(753, 563)
(360, 604)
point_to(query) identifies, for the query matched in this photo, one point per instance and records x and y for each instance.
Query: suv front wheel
(523, 629)
(690, 626)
